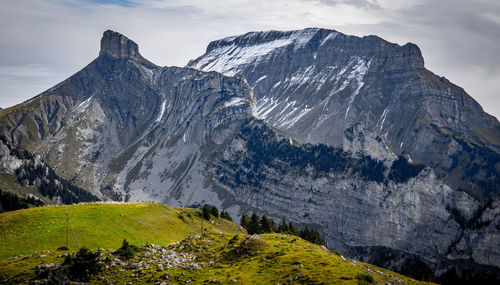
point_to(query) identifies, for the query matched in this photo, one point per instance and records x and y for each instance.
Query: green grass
(270, 259)
(225, 253)
(100, 225)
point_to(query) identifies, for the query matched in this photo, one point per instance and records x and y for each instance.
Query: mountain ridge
(130, 131)
(315, 83)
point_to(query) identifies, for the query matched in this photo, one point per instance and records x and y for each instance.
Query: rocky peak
(412, 56)
(279, 38)
(116, 45)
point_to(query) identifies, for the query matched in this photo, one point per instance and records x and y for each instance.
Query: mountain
(315, 83)
(128, 130)
(27, 181)
(224, 253)
(84, 125)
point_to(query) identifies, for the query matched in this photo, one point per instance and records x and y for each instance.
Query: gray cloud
(44, 42)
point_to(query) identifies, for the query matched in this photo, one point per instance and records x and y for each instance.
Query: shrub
(247, 247)
(181, 217)
(364, 279)
(84, 264)
(214, 211)
(225, 215)
(233, 239)
(206, 212)
(127, 250)
(280, 253)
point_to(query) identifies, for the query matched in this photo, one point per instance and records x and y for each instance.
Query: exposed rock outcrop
(316, 83)
(350, 110)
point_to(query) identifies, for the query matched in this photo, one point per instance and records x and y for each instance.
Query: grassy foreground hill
(100, 225)
(173, 252)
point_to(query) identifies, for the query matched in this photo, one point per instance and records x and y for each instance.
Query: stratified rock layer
(316, 83)
(127, 129)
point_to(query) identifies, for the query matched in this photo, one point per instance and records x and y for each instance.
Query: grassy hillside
(100, 225)
(173, 251)
(214, 259)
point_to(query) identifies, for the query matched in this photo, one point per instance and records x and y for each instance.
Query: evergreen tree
(206, 212)
(272, 225)
(305, 233)
(225, 215)
(311, 236)
(291, 229)
(83, 264)
(254, 226)
(127, 250)
(245, 222)
(283, 227)
(214, 211)
(266, 225)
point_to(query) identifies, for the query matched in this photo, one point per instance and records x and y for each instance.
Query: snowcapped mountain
(127, 129)
(315, 83)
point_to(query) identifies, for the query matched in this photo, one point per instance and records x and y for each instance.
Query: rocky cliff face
(81, 123)
(199, 111)
(97, 126)
(316, 83)
(356, 200)
(29, 178)
(129, 130)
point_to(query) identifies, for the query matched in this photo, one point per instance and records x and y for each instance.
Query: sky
(43, 42)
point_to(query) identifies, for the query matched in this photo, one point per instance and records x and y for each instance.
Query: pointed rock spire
(116, 45)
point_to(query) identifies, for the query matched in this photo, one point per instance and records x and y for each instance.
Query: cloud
(50, 40)
(25, 71)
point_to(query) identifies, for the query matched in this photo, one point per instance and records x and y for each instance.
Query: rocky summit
(316, 83)
(350, 136)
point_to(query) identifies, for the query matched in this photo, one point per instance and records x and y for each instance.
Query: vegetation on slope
(264, 150)
(215, 258)
(35, 177)
(265, 225)
(223, 255)
(100, 225)
(12, 202)
(9, 185)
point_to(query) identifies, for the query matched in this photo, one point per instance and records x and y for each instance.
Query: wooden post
(78, 247)
(202, 225)
(67, 230)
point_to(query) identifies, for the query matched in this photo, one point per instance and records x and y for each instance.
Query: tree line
(209, 211)
(40, 175)
(260, 225)
(12, 202)
(249, 168)
(52, 185)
